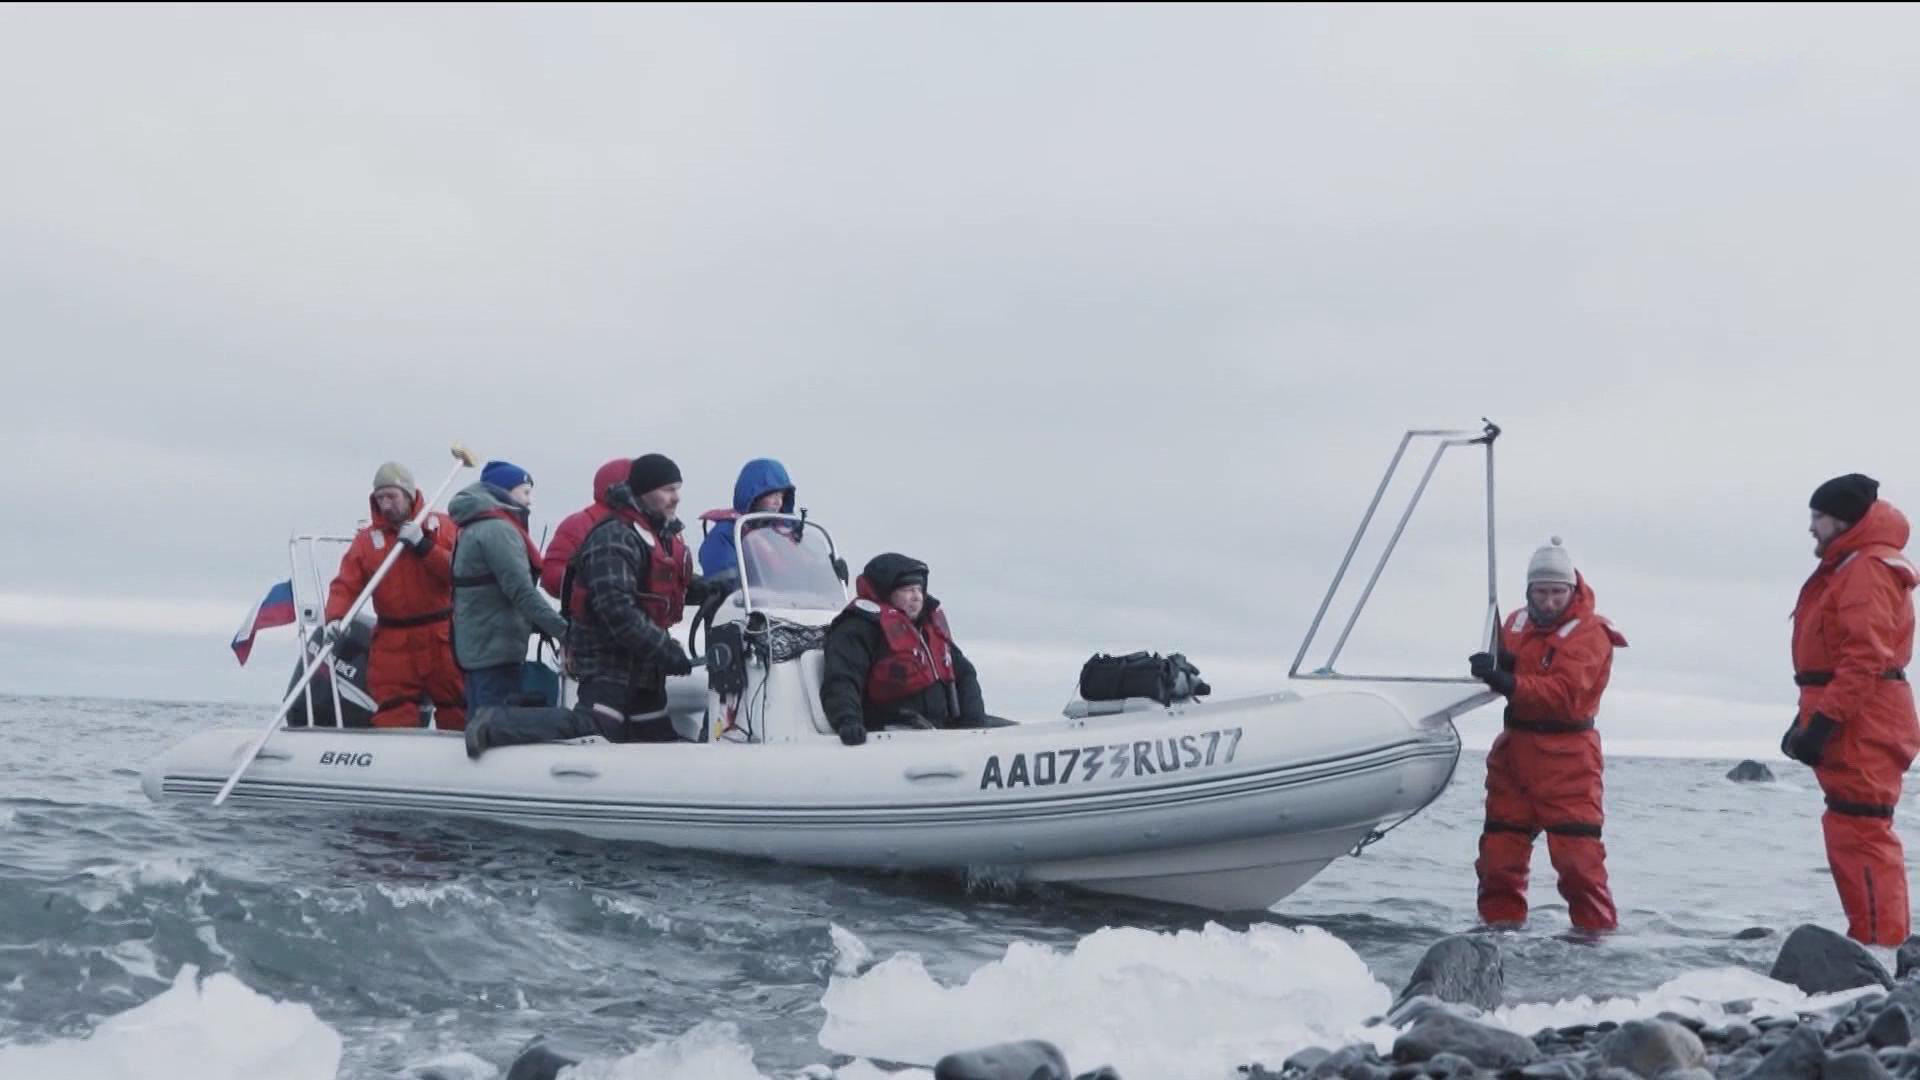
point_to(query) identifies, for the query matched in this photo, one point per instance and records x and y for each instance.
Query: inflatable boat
(1224, 804)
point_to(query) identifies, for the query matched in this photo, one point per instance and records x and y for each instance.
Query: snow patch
(1703, 994)
(210, 1029)
(1187, 1003)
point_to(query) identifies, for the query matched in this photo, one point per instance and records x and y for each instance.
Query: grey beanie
(394, 475)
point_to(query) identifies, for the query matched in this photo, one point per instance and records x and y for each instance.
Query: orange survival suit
(1544, 771)
(1852, 641)
(411, 657)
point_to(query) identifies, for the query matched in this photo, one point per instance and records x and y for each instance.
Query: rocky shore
(1442, 1033)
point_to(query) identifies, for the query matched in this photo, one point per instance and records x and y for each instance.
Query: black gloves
(1809, 744)
(853, 734)
(721, 585)
(673, 659)
(1483, 666)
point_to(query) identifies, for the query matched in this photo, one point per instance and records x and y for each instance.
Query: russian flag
(276, 609)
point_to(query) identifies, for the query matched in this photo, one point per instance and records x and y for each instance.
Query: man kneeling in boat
(625, 587)
(1544, 771)
(891, 661)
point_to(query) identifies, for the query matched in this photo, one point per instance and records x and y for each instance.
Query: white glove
(412, 535)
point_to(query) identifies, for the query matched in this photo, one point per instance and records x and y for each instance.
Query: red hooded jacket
(576, 526)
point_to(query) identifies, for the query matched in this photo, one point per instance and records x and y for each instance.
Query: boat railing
(305, 553)
(1442, 441)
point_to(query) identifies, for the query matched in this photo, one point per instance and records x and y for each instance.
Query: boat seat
(1080, 709)
(813, 667)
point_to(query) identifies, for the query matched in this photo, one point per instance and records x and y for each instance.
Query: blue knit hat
(505, 475)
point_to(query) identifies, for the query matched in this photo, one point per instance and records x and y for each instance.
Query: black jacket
(854, 643)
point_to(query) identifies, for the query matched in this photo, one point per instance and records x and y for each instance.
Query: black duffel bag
(1165, 679)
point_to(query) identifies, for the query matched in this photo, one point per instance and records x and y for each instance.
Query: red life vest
(519, 526)
(916, 657)
(663, 595)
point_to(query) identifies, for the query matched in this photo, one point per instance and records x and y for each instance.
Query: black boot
(517, 725)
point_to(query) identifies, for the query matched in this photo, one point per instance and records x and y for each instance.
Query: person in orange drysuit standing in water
(1544, 772)
(411, 657)
(1852, 639)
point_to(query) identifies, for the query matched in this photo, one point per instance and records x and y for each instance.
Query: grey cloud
(1113, 315)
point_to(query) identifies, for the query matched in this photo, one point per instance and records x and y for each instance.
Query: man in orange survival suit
(1543, 773)
(412, 650)
(1852, 639)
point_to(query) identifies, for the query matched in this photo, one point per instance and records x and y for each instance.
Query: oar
(462, 460)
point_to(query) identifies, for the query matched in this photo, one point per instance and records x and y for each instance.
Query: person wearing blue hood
(763, 487)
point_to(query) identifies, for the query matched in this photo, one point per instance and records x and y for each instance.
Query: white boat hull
(1228, 805)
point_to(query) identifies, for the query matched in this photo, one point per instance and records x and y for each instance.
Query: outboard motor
(348, 672)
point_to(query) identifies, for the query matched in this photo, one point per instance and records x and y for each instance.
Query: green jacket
(496, 605)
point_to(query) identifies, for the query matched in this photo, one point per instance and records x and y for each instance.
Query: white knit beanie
(1551, 563)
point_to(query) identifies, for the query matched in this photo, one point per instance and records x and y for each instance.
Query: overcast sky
(1111, 315)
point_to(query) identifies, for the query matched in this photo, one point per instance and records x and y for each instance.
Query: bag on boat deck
(1141, 675)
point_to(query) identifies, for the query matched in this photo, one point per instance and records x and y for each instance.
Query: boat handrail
(1443, 440)
(310, 615)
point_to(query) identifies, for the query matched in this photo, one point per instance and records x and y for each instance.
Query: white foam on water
(711, 1051)
(207, 937)
(136, 957)
(867, 1070)
(659, 922)
(1182, 1004)
(210, 1029)
(456, 1066)
(431, 896)
(620, 905)
(850, 955)
(121, 879)
(1703, 994)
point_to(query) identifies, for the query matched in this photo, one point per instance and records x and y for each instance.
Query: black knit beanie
(1845, 497)
(650, 471)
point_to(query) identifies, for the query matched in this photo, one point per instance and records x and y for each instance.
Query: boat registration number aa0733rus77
(1111, 761)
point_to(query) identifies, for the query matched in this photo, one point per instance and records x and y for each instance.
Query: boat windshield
(789, 564)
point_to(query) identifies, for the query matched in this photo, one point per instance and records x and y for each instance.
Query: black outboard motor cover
(726, 659)
(356, 705)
